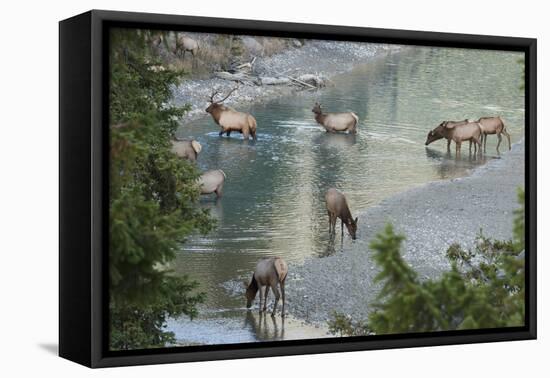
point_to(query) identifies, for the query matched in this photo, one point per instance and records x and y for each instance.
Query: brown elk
(458, 132)
(184, 44)
(493, 125)
(333, 122)
(156, 39)
(230, 119)
(186, 149)
(269, 273)
(212, 182)
(337, 207)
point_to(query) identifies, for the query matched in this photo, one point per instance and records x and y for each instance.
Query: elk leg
(448, 145)
(507, 137)
(333, 219)
(219, 191)
(329, 222)
(470, 143)
(499, 136)
(265, 297)
(283, 294)
(478, 143)
(277, 296)
(221, 132)
(342, 228)
(458, 145)
(262, 291)
(228, 133)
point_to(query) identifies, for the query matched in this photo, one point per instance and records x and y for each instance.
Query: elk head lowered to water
(457, 131)
(229, 119)
(337, 207)
(333, 122)
(269, 273)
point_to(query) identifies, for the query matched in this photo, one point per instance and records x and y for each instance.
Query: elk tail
(252, 126)
(281, 268)
(356, 121)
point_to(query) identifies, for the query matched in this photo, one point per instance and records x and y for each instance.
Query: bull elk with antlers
(230, 119)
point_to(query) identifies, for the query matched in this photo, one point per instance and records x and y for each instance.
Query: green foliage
(483, 289)
(153, 197)
(344, 325)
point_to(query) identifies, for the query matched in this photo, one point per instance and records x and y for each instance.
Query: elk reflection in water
(258, 323)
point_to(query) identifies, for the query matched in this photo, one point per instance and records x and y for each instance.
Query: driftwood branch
(238, 77)
(302, 82)
(242, 73)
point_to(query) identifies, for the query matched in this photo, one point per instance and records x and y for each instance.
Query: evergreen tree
(153, 197)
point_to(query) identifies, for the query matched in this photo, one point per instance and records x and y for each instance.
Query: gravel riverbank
(325, 58)
(432, 217)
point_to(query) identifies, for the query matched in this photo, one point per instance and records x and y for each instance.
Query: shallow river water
(273, 201)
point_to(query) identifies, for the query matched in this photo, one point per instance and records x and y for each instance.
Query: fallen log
(303, 83)
(238, 77)
(266, 80)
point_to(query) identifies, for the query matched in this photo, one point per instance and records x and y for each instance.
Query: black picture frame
(83, 163)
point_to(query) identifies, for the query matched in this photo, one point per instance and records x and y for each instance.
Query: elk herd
(270, 273)
(475, 132)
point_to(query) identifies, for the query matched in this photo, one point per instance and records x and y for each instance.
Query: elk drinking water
(212, 182)
(337, 207)
(490, 126)
(333, 122)
(458, 132)
(229, 119)
(186, 148)
(269, 273)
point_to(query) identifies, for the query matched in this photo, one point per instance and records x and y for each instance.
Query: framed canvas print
(234, 188)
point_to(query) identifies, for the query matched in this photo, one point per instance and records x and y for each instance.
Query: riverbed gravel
(325, 58)
(432, 216)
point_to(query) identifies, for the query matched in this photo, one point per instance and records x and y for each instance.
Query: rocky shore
(432, 217)
(324, 58)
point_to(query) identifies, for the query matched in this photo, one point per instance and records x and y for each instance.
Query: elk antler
(214, 94)
(229, 94)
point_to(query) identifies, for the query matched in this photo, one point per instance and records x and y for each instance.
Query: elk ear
(355, 221)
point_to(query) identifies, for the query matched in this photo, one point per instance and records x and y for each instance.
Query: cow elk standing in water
(458, 132)
(269, 273)
(337, 207)
(184, 44)
(231, 120)
(333, 122)
(212, 182)
(493, 125)
(186, 149)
